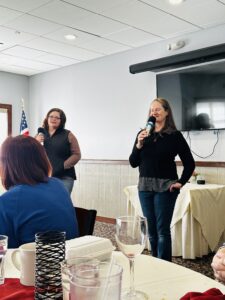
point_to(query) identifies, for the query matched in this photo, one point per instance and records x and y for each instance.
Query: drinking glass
(3, 249)
(69, 267)
(131, 237)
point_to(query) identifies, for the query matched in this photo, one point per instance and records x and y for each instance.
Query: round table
(160, 279)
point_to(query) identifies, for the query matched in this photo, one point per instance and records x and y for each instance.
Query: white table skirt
(158, 278)
(198, 224)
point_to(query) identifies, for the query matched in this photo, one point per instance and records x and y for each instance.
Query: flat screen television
(196, 95)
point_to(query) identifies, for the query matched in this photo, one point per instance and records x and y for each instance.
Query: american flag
(23, 125)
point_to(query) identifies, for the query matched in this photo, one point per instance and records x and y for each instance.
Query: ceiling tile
(133, 37)
(159, 23)
(138, 13)
(23, 5)
(12, 37)
(59, 34)
(57, 60)
(60, 12)
(97, 5)
(7, 15)
(98, 25)
(34, 31)
(105, 46)
(62, 49)
(206, 13)
(15, 61)
(17, 69)
(23, 52)
(169, 26)
(201, 13)
(32, 25)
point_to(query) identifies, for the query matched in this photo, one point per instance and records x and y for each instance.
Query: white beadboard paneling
(221, 176)
(100, 185)
(210, 174)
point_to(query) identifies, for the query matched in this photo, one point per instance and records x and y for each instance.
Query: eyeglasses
(156, 110)
(53, 117)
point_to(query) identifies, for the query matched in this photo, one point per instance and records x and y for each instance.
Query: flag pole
(22, 103)
(23, 123)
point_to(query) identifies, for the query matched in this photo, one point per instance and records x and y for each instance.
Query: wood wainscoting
(100, 183)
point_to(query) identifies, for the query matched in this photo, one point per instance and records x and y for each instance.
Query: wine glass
(131, 237)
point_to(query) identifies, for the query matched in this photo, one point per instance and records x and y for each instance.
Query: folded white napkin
(92, 246)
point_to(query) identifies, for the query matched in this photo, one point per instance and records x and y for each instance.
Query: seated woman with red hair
(34, 201)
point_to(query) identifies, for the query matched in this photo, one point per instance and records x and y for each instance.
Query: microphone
(150, 124)
(41, 131)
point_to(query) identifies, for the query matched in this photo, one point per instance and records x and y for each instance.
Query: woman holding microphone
(159, 184)
(61, 147)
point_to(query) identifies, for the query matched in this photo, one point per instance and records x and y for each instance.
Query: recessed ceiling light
(175, 2)
(70, 37)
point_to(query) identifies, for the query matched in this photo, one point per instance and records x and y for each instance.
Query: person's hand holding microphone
(40, 137)
(145, 132)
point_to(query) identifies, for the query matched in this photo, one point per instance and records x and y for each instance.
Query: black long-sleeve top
(156, 159)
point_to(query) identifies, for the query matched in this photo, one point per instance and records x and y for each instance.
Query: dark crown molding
(181, 60)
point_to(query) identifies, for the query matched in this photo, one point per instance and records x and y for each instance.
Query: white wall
(106, 105)
(13, 87)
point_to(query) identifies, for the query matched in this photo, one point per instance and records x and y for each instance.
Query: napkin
(208, 295)
(89, 245)
(12, 289)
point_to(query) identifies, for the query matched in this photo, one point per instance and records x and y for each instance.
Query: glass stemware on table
(131, 237)
(3, 249)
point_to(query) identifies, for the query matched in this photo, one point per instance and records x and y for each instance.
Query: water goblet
(3, 249)
(131, 236)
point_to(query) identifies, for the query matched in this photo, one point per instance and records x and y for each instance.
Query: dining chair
(86, 220)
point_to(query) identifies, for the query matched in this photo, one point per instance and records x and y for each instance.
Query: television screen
(196, 95)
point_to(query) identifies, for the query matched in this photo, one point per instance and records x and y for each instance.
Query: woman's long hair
(169, 126)
(23, 160)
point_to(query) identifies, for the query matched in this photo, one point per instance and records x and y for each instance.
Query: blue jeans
(158, 209)
(68, 183)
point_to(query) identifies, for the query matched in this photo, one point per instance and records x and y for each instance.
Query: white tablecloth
(198, 224)
(160, 279)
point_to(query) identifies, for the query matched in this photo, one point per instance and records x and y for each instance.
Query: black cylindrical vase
(50, 251)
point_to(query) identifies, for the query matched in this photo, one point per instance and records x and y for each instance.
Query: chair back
(86, 220)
